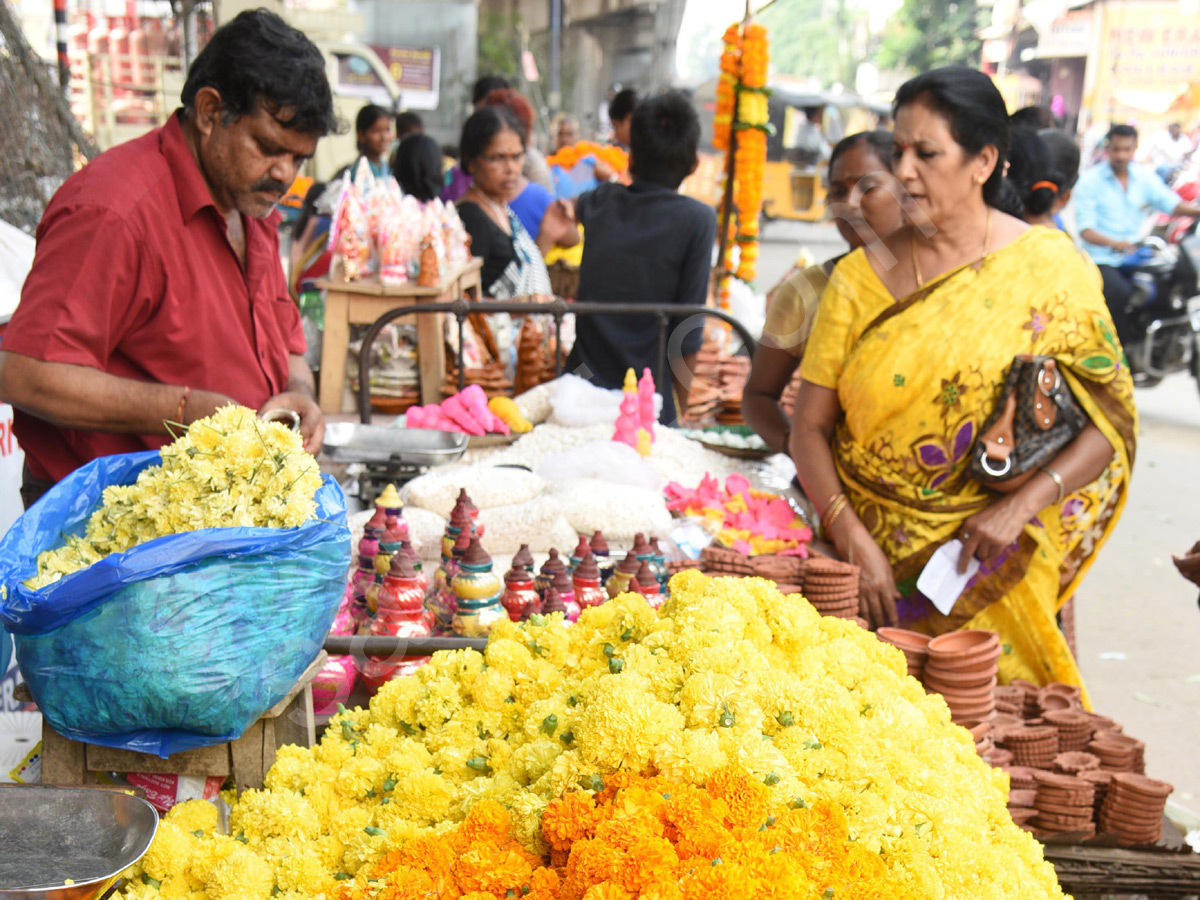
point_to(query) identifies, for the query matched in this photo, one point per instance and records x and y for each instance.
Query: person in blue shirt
(1112, 201)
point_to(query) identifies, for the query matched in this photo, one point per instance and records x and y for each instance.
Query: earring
(979, 179)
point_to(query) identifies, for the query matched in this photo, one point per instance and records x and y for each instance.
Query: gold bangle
(833, 510)
(1058, 482)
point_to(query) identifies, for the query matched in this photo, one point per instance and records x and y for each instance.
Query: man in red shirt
(157, 293)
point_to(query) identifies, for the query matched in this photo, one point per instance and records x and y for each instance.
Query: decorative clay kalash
(619, 581)
(581, 549)
(477, 593)
(523, 559)
(566, 593)
(440, 599)
(551, 567)
(604, 560)
(585, 581)
(519, 593)
(646, 584)
(400, 613)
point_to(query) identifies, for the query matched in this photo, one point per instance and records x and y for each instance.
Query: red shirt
(134, 275)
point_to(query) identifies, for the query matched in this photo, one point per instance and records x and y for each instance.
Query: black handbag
(1036, 416)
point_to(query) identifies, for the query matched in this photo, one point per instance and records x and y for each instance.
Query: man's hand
(312, 420)
(1125, 247)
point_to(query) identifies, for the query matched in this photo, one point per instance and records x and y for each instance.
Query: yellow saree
(915, 390)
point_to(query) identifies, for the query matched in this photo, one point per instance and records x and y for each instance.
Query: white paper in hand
(940, 581)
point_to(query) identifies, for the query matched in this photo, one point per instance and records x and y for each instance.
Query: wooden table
(362, 302)
(290, 721)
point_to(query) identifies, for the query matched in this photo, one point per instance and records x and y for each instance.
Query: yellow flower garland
(727, 673)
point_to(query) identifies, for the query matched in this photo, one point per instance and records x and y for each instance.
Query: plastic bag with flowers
(148, 628)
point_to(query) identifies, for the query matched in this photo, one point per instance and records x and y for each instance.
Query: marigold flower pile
(228, 469)
(643, 837)
(728, 674)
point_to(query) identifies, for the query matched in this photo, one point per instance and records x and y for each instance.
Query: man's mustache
(270, 185)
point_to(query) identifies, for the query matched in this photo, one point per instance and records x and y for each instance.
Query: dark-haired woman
(1033, 180)
(905, 364)
(375, 131)
(417, 165)
(493, 152)
(865, 206)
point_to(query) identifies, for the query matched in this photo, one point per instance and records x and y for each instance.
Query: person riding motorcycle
(1112, 200)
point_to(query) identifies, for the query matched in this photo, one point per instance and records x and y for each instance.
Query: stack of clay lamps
(913, 644)
(962, 668)
(1133, 808)
(831, 587)
(1064, 803)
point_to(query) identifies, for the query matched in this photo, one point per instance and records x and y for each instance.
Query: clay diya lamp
(979, 730)
(1021, 798)
(961, 644)
(1073, 763)
(912, 643)
(999, 757)
(1021, 816)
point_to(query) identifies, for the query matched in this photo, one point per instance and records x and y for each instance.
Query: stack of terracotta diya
(831, 586)
(1133, 808)
(913, 644)
(786, 571)
(961, 666)
(723, 561)
(1064, 804)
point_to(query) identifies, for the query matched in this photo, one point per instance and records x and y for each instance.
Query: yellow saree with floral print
(918, 378)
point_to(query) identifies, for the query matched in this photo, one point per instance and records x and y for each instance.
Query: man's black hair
(1122, 131)
(257, 59)
(664, 136)
(478, 131)
(408, 123)
(1035, 117)
(622, 105)
(485, 84)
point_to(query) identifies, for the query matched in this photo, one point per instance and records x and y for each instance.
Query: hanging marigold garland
(742, 107)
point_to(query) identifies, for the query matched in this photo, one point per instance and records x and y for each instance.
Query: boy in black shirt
(645, 243)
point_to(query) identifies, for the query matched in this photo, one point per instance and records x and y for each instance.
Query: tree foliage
(811, 39)
(499, 49)
(926, 34)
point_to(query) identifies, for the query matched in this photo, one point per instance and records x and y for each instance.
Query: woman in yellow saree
(895, 391)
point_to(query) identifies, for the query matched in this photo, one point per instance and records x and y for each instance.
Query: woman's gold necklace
(987, 236)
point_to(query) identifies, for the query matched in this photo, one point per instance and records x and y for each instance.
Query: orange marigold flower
(543, 885)
(607, 891)
(487, 821)
(568, 819)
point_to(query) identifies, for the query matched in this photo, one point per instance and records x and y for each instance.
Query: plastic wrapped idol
(586, 582)
(477, 593)
(518, 592)
(401, 613)
(350, 235)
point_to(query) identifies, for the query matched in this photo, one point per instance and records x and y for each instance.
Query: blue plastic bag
(178, 643)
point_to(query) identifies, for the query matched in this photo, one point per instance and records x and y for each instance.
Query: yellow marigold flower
(263, 814)
(193, 815)
(169, 855)
(690, 756)
(240, 876)
(620, 725)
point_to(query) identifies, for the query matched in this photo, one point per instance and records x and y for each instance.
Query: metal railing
(461, 309)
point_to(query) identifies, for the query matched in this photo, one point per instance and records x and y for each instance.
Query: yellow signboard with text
(1148, 65)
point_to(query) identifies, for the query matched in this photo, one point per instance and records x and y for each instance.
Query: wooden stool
(290, 721)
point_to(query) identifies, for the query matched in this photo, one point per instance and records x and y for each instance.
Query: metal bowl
(51, 834)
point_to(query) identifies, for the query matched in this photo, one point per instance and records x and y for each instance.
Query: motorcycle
(1165, 307)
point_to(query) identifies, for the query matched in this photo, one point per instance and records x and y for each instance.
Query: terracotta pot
(968, 642)
(966, 662)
